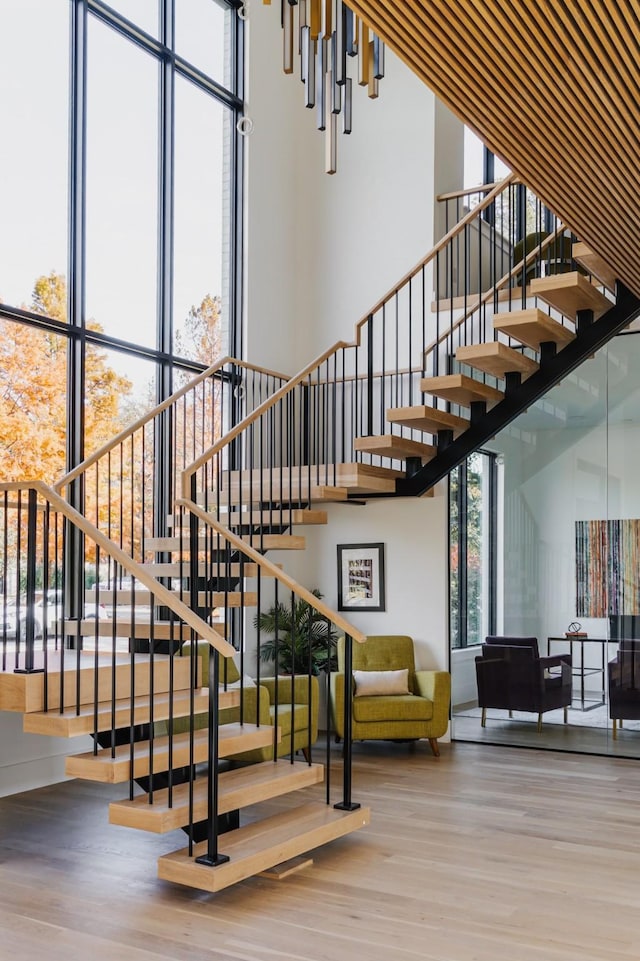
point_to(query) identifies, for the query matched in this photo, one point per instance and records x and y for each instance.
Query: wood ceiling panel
(553, 88)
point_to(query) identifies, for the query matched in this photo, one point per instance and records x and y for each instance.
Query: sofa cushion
(397, 707)
(369, 683)
(300, 715)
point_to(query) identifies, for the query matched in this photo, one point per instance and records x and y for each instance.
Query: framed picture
(361, 577)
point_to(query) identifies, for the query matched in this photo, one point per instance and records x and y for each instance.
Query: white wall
(28, 761)
(323, 249)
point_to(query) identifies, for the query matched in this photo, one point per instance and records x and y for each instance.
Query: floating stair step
(274, 518)
(261, 845)
(293, 484)
(125, 627)
(72, 723)
(395, 446)
(205, 598)
(595, 265)
(233, 739)
(277, 517)
(496, 359)
(316, 493)
(533, 327)
(275, 542)
(569, 293)
(460, 389)
(236, 789)
(25, 692)
(281, 542)
(224, 571)
(430, 419)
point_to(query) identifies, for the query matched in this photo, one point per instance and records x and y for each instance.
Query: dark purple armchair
(624, 684)
(512, 676)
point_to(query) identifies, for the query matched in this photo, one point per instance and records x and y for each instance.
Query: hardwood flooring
(487, 854)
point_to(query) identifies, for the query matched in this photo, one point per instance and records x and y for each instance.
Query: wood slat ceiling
(552, 87)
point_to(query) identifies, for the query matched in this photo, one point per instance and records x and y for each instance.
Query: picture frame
(361, 584)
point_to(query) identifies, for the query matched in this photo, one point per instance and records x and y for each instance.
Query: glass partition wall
(568, 562)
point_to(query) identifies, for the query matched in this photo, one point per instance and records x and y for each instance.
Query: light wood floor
(489, 854)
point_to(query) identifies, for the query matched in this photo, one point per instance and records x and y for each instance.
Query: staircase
(177, 521)
(120, 680)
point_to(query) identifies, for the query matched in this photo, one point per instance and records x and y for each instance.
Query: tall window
(120, 199)
(473, 526)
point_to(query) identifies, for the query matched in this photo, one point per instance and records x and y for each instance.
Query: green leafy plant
(299, 637)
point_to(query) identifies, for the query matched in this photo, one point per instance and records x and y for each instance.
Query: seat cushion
(397, 707)
(300, 715)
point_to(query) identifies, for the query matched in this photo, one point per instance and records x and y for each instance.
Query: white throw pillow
(369, 683)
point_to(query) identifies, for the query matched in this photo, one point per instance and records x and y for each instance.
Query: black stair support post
(478, 410)
(412, 464)
(584, 321)
(347, 804)
(444, 438)
(592, 335)
(548, 350)
(512, 381)
(32, 534)
(213, 858)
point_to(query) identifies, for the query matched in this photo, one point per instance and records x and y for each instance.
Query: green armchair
(259, 704)
(421, 713)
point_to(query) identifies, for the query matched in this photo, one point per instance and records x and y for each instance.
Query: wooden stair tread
(425, 418)
(25, 693)
(205, 598)
(461, 389)
(395, 446)
(233, 739)
(275, 542)
(221, 571)
(183, 544)
(569, 293)
(594, 264)
(236, 789)
(496, 359)
(242, 497)
(353, 478)
(126, 627)
(261, 845)
(285, 517)
(72, 723)
(533, 327)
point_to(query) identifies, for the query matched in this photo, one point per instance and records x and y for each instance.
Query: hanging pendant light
(328, 36)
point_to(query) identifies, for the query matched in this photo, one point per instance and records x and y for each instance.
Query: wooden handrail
(433, 253)
(255, 414)
(514, 271)
(188, 473)
(150, 415)
(273, 570)
(163, 596)
(455, 194)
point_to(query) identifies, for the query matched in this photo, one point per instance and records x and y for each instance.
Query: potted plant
(299, 637)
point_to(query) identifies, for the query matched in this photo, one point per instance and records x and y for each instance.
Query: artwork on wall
(607, 568)
(361, 577)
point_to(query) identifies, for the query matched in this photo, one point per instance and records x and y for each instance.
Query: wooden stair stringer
(261, 845)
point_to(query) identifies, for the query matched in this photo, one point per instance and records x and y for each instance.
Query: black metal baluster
(347, 804)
